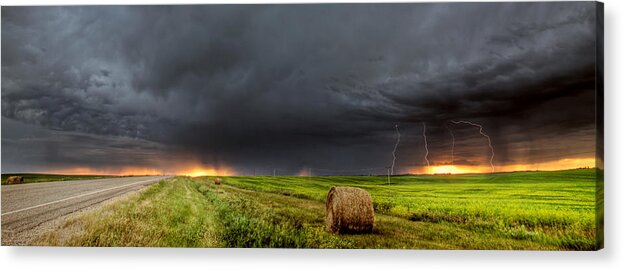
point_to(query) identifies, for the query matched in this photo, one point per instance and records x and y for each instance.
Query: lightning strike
(394, 152)
(453, 141)
(481, 130)
(425, 144)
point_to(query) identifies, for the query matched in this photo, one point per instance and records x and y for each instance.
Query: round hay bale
(349, 210)
(217, 181)
(15, 180)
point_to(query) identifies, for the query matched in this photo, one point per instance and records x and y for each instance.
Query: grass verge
(193, 212)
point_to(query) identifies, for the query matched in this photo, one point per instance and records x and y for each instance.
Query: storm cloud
(296, 86)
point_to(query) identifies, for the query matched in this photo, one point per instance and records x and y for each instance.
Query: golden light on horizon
(562, 164)
(105, 171)
(191, 169)
(445, 169)
(202, 171)
(195, 170)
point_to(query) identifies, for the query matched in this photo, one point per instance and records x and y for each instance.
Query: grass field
(37, 178)
(522, 210)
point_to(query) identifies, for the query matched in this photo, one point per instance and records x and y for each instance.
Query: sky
(243, 89)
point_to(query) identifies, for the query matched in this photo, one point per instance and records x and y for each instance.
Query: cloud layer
(296, 86)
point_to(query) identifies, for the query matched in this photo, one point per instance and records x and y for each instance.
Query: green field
(522, 210)
(38, 178)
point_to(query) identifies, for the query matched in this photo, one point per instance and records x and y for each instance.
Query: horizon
(319, 175)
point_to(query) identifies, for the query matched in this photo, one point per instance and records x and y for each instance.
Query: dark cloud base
(295, 86)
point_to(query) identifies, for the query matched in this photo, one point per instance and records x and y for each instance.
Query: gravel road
(28, 209)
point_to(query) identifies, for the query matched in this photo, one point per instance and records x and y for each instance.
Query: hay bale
(217, 181)
(349, 210)
(15, 180)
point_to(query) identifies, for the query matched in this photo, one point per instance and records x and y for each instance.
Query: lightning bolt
(394, 152)
(425, 144)
(453, 140)
(482, 132)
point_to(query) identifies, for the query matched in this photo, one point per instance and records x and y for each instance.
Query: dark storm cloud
(307, 85)
(29, 148)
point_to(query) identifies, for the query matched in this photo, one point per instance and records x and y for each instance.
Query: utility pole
(274, 172)
(389, 180)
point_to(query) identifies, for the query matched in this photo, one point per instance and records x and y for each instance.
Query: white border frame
(170, 258)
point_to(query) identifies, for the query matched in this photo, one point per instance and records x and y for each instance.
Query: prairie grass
(168, 214)
(549, 208)
(527, 210)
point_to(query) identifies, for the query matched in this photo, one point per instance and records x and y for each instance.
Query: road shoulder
(61, 224)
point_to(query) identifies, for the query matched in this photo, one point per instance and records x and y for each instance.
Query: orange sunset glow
(192, 170)
(203, 171)
(562, 164)
(107, 171)
(196, 170)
